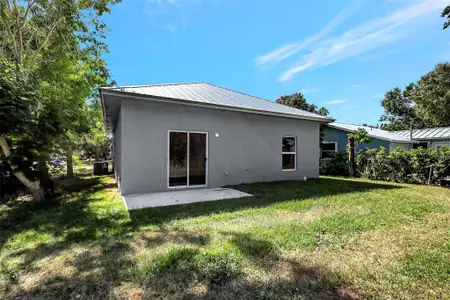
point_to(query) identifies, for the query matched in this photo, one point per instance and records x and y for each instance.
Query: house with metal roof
(336, 138)
(428, 137)
(198, 135)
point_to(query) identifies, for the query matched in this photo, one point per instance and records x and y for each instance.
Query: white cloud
(337, 101)
(366, 37)
(173, 15)
(290, 49)
(355, 86)
(304, 91)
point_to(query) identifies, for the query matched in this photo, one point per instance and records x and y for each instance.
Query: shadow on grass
(219, 273)
(97, 272)
(264, 194)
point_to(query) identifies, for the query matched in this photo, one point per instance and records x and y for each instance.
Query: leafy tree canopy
(297, 100)
(425, 103)
(361, 136)
(446, 14)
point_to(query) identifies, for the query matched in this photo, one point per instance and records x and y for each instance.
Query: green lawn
(328, 238)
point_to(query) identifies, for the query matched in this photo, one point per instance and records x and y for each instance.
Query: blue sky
(343, 55)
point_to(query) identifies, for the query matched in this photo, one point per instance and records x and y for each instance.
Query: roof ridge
(429, 128)
(248, 95)
(154, 84)
(361, 126)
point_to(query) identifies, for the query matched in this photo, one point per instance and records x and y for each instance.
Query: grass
(328, 238)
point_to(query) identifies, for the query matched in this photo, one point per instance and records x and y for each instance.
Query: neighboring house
(336, 137)
(429, 137)
(201, 135)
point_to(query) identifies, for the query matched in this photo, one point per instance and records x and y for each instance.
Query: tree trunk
(69, 154)
(97, 153)
(33, 186)
(44, 175)
(351, 156)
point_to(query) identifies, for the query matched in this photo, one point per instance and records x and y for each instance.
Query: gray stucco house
(428, 137)
(336, 138)
(176, 136)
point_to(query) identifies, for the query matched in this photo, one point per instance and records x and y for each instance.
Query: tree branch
(13, 39)
(29, 6)
(39, 49)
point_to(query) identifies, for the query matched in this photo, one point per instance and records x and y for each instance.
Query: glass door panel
(197, 158)
(178, 159)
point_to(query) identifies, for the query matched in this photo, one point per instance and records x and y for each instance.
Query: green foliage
(76, 160)
(335, 164)
(51, 61)
(17, 101)
(297, 100)
(446, 14)
(420, 105)
(421, 166)
(361, 136)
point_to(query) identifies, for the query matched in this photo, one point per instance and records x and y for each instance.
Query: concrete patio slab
(136, 201)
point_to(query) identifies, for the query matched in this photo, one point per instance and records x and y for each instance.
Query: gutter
(103, 109)
(376, 137)
(108, 91)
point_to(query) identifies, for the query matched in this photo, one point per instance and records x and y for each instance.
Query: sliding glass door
(188, 152)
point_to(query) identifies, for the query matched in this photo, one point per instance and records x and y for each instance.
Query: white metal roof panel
(214, 95)
(373, 132)
(427, 133)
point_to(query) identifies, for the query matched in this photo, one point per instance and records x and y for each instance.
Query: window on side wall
(288, 153)
(420, 145)
(327, 148)
(440, 145)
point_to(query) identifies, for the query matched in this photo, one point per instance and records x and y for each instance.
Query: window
(438, 146)
(420, 145)
(327, 148)
(288, 153)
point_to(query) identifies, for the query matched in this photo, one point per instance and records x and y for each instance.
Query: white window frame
(295, 154)
(187, 160)
(328, 142)
(440, 144)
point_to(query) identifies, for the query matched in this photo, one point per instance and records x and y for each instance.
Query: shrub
(335, 164)
(420, 166)
(76, 160)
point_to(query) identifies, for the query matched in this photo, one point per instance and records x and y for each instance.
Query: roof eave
(375, 137)
(108, 91)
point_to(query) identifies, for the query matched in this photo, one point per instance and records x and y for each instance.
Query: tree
(53, 48)
(359, 136)
(420, 105)
(432, 96)
(399, 111)
(16, 114)
(446, 14)
(297, 100)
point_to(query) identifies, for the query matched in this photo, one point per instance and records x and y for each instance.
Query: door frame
(187, 160)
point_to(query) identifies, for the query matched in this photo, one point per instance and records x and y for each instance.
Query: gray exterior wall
(248, 148)
(434, 143)
(118, 150)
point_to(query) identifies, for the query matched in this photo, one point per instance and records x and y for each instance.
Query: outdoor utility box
(100, 168)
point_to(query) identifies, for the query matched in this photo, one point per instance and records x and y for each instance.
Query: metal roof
(373, 132)
(427, 133)
(211, 95)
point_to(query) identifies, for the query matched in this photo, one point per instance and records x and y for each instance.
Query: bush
(335, 164)
(420, 166)
(76, 160)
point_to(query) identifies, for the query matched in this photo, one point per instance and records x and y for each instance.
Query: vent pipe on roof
(410, 132)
